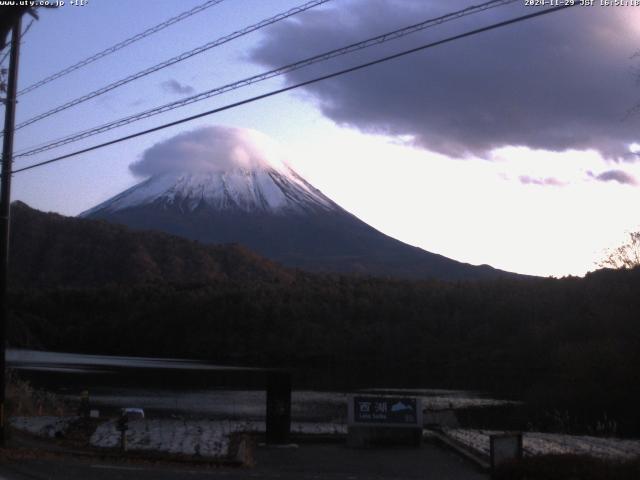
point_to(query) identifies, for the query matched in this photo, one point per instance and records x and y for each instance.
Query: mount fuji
(267, 207)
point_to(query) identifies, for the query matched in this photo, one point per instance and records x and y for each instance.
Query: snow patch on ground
(537, 443)
(171, 436)
(45, 426)
(446, 402)
(206, 438)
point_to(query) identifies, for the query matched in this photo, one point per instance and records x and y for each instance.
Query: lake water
(185, 388)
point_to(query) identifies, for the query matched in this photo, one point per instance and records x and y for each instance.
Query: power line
(121, 45)
(174, 60)
(27, 29)
(377, 40)
(302, 84)
(6, 55)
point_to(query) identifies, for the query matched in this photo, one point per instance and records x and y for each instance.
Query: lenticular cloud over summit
(208, 150)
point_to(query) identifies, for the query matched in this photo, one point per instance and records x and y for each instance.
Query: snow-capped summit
(264, 190)
(220, 168)
(228, 185)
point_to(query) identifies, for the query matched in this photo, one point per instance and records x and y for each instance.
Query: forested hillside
(571, 344)
(49, 250)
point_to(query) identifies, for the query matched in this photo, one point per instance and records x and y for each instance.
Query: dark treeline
(568, 345)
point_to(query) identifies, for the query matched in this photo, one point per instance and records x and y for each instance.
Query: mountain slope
(276, 213)
(50, 250)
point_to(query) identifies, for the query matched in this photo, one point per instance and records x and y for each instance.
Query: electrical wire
(377, 40)
(6, 55)
(173, 61)
(121, 45)
(302, 84)
(27, 29)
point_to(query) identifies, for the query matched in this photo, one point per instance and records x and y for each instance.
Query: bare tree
(626, 255)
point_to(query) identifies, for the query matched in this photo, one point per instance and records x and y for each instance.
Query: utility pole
(5, 209)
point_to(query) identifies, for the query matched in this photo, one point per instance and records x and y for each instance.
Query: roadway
(307, 462)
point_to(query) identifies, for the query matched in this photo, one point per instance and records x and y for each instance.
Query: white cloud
(210, 149)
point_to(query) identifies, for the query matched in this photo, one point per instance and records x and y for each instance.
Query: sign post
(384, 421)
(278, 408)
(505, 448)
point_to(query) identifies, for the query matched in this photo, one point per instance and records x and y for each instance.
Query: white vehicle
(132, 413)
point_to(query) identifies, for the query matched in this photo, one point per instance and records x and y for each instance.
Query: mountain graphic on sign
(401, 407)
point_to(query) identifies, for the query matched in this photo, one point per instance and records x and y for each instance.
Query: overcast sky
(516, 147)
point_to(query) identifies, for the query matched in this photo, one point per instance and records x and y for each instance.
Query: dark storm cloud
(173, 86)
(617, 176)
(563, 81)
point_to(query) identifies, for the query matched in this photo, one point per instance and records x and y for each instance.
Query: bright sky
(524, 209)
